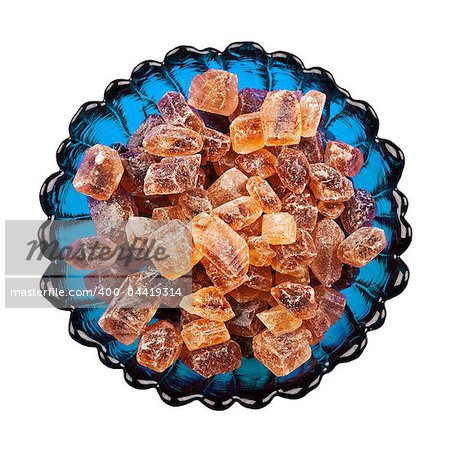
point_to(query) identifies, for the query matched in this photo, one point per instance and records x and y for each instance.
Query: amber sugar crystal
(279, 320)
(215, 144)
(293, 169)
(328, 184)
(330, 210)
(279, 228)
(298, 299)
(223, 283)
(246, 133)
(214, 91)
(260, 252)
(303, 208)
(263, 193)
(344, 158)
(100, 172)
(238, 213)
(230, 185)
(135, 141)
(331, 302)
(160, 346)
(311, 106)
(168, 213)
(260, 278)
(317, 326)
(246, 323)
(194, 201)
(259, 163)
(204, 333)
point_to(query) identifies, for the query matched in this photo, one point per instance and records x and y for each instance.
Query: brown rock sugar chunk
(238, 213)
(246, 133)
(298, 299)
(260, 278)
(362, 246)
(215, 360)
(328, 184)
(312, 148)
(229, 186)
(260, 252)
(219, 280)
(194, 201)
(135, 141)
(344, 158)
(136, 164)
(168, 213)
(279, 320)
(260, 162)
(160, 346)
(359, 211)
(284, 353)
(215, 145)
(204, 333)
(263, 193)
(186, 317)
(311, 106)
(146, 205)
(279, 228)
(330, 210)
(254, 229)
(317, 326)
(303, 208)
(91, 253)
(243, 294)
(293, 169)
(226, 162)
(331, 302)
(246, 323)
(214, 91)
(100, 172)
(301, 277)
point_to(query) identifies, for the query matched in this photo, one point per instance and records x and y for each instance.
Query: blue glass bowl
(126, 104)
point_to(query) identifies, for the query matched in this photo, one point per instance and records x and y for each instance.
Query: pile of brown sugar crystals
(274, 218)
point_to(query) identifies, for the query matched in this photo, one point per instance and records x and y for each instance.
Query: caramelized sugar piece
(317, 326)
(227, 187)
(328, 184)
(327, 236)
(311, 106)
(250, 100)
(292, 258)
(297, 298)
(359, 211)
(110, 216)
(281, 118)
(284, 353)
(99, 173)
(172, 175)
(135, 164)
(259, 163)
(262, 192)
(362, 246)
(260, 253)
(344, 158)
(260, 278)
(160, 346)
(129, 312)
(238, 213)
(215, 144)
(195, 201)
(204, 333)
(279, 320)
(246, 133)
(246, 323)
(175, 111)
(168, 213)
(301, 277)
(215, 360)
(146, 205)
(279, 228)
(214, 91)
(312, 148)
(219, 243)
(330, 210)
(91, 253)
(226, 162)
(208, 303)
(169, 140)
(303, 207)
(135, 141)
(293, 169)
(331, 302)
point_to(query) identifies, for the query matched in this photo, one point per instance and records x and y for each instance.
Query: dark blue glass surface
(125, 106)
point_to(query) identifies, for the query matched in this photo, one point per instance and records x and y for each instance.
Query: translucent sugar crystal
(284, 353)
(312, 148)
(91, 253)
(172, 175)
(301, 277)
(259, 163)
(227, 187)
(303, 208)
(327, 236)
(146, 205)
(160, 346)
(243, 294)
(204, 333)
(331, 302)
(328, 184)
(135, 141)
(362, 246)
(221, 245)
(250, 100)
(254, 229)
(169, 140)
(214, 91)
(99, 173)
(291, 258)
(238, 213)
(215, 144)
(168, 213)
(136, 164)
(279, 228)
(200, 278)
(175, 111)
(297, 298)
(105, 281)
(281, 118)
(359, 211)
(280, 189)
(228, 161)
(330, 210)
(317, 326)
(129, 312)
(223, 283)
(215, 360)
(260, 278)
(246, 323)
(110, 216)
(260, 252)
(246, 133)
(138, 231)
(194, 201)
(208, 303)
(292, 167)
(344, 158)
(311, 105)
(263, 193)
(279, 320)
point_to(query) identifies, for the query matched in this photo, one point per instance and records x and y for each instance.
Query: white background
(57, 55)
